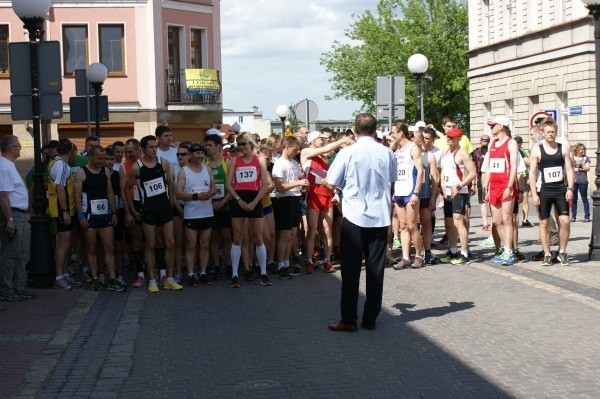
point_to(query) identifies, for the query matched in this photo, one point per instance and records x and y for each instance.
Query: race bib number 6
(220, 191)
(246, 174)
(154, 187)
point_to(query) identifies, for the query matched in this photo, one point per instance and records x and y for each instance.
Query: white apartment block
(527, 56)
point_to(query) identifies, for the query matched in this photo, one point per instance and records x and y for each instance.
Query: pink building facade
(147, 47)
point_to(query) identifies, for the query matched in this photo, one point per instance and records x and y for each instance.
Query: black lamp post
(282, 111)
(96, 74)
(417, 65)
(41, 266)
(594, 252)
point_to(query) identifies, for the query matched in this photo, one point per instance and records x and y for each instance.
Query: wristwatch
(237, 198)
(458, 187)
(11, 219)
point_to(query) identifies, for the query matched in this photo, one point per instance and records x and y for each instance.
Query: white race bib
(497, 165)
(553, 174)
(99, 207)
(246, 174)
(220, 191)
(200, 190)
(403, 172)
(154, 187)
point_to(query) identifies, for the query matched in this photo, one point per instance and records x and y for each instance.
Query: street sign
(537, 117)
(553, 113)
(50, 107)
(78, 111)
(383, 112)
(575, 111)
(80, 82)
(49, 69)
(307, 111)
(390, 90)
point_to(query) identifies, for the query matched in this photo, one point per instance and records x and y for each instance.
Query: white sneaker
(487, 243)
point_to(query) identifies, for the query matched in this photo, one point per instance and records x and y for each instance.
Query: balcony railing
(193, 86)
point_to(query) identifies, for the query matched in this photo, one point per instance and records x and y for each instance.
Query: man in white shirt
(165, 145)
(365, 171)
(14, 203)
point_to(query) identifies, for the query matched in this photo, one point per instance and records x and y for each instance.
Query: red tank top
(319, 166)
(499, 164)
(247, 175)
(133, 191)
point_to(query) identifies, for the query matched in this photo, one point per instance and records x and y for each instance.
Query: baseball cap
(499, 120)
(454, 133)
(315, 134)
(412, 128)
(197, 147)
(214, 131)
(519, 139)
(420, 125)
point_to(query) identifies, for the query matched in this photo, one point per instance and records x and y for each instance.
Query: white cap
(379, 134)
(212, 131)
(420, 124)
(412, 128)
(312, 136)
(499, 120)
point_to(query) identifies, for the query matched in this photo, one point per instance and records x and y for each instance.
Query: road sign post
(390, 98)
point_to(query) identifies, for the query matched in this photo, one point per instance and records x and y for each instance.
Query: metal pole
(97, 114)
(41, 266)
(282, 125)
(307, 115)
(594, 252)
(391, 104)
(87, 108)
(418, 77)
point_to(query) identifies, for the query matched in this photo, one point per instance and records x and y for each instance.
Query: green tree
(383, 41)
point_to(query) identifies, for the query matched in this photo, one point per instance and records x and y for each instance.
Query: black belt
(18, 210)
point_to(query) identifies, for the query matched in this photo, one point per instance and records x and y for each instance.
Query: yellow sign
(202, 81)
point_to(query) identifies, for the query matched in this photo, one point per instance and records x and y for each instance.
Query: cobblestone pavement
(476, 330)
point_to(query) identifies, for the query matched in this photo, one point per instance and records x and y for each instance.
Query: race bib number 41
(246, 174)
(154, 187)
(553, 174)
(497, 165)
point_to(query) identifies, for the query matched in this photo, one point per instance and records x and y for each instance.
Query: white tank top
(197, 182)
(453, 173)
(406, 173)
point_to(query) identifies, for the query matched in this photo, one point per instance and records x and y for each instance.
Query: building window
(112, 48)
(510, 112)
(240, 119)
(485, 22)
(4, 50)
(196, 48)
(532, 9)
(507, 22)
(75, 45)
(562, 110)
(173, 43)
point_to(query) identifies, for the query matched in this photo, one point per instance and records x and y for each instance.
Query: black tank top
(552, 170)
(93, 192)
(153, 185)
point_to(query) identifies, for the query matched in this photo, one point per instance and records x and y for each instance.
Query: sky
(271, 51)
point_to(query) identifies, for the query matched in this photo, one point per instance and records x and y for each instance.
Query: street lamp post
(41, 271)
(282, 111)
(417, 65)
(96, 74)
(594, 252)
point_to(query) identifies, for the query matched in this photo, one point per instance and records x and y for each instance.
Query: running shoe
(205, 281)
(444, 240)
(328, 266)
(95, 284)
(138, 283)
(396, 244)
(87, 276)
(487, 243)
(170, 284)
(586, 220)
(284, 273)
(498, 256)
(295, 271)
(526, 223)
(573, 220)
(121, 282)
(508, 258)
(431, 259)
(402, 264)
(25, 294)
(114, 286)
(547, 260)
(152, 286)
(193, 281)
(62, 284)
(72, 282)
(448, 256)
(235, 282)
(10, 297)
(309, 268)
(519, 255)
(389, 259)
(564, 259)
(417, 263)
(248, 275)
(264, 280)
(178, 278)
(461, 260)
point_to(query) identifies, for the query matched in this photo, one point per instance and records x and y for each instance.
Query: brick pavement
(445, 331)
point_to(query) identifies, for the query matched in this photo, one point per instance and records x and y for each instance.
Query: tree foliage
(381, 44)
